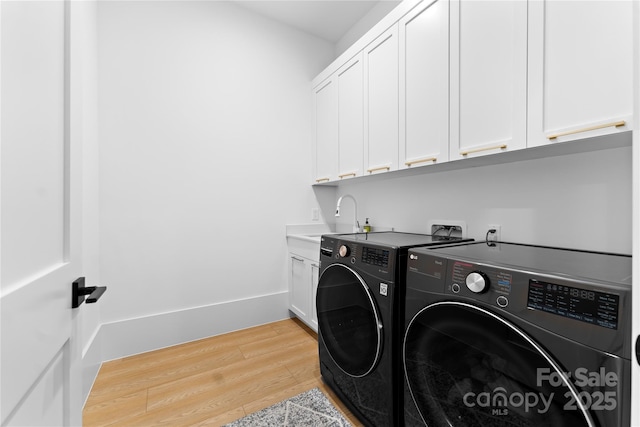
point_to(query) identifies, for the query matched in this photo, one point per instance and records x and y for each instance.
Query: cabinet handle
(476, 150)
(323, 180)
(297, 259)
(587, 129)
(379, 169)
(315, 265)
(428, 159)
(344, 175)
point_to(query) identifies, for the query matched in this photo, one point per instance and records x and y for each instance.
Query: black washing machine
(360, 291)
(517, 335)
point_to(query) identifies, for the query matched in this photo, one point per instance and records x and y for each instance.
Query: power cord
(486, 237)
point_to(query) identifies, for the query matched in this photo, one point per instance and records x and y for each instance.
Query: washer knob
(344, 251)
(477, 282)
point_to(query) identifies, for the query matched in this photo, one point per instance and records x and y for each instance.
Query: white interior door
(40, 218)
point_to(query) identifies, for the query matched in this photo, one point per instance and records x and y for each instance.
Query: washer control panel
(586, 305)
(531, 284)
(480, 280)
(516, 291)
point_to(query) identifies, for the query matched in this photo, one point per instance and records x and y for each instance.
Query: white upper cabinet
(580, 69)
(381, 103)
(442, 80)
(488, 77)
(350, 118)
(424, 85)
(326, 131)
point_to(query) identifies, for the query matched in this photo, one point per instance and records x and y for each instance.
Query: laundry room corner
(194, 189)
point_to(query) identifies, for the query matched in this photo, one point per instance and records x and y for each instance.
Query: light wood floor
(211, 381)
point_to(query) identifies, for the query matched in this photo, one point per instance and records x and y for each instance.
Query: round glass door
(467, 367)
(348, 320)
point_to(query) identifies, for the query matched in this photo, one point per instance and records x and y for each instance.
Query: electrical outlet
(315, 214)
(497, 236)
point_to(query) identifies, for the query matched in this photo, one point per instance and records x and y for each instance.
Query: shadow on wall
(548, 201)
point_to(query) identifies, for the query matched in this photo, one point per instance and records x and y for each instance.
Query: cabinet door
(488, 77)
(326, 131)
(424, 85)
(381, 102)
(580, 69)
(299, 287)
(315, 272)
(350, 118)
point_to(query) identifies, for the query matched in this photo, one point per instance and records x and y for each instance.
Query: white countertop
(307, 232)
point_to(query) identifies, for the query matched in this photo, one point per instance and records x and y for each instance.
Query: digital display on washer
(375, 256)
(597, 308)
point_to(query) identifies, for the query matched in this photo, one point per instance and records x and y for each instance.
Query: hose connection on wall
(446, 230)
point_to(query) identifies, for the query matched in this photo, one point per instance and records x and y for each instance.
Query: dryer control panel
(586, 305)
(376, 260)
(586, 309)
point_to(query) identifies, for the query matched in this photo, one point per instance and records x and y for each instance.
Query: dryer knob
(344, 251)
(477, 282)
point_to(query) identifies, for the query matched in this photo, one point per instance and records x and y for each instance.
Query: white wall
(205, 127)
(581, 201)
(367, 22)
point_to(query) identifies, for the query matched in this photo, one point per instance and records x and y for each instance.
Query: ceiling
(327, 19)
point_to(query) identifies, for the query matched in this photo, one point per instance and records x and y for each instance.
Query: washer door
(348, 320)
(465, 366)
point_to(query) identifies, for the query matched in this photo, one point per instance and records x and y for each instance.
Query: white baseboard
(91, 362)
(123, 338)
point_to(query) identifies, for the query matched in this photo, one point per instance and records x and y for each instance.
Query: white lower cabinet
(580, 69)
(298, 286)
(303, 283)
(315, 272)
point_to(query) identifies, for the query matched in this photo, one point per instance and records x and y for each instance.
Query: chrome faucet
(356, 225)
